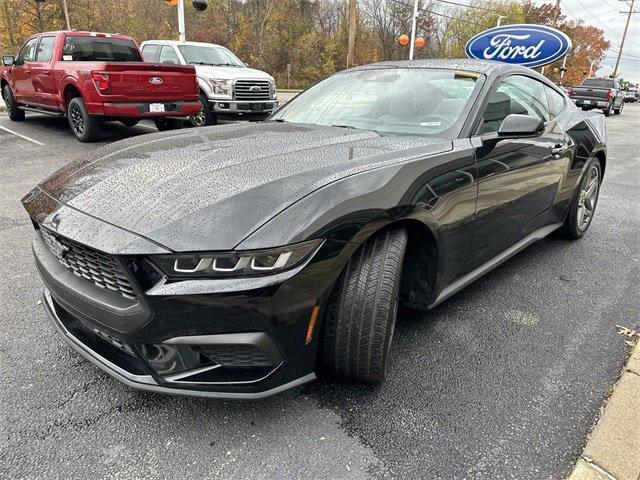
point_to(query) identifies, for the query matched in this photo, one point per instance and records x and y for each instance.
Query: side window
(28, 52)
(150, 53)
(45, 49)
(556, 101)
(515, 94)
(168, 55)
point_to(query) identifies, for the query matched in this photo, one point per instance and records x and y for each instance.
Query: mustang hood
(209, 188)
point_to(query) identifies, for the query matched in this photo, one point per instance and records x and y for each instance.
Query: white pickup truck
(227, 86)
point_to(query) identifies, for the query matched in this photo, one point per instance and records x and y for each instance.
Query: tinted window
(100, 49)
(599, 83)
(150, 53)
(516, 94)
(556, 101)
(28, 52)
(393, 100)
(168, 55)
(45, 49)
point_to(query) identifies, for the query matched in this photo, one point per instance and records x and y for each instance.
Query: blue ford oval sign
(523, 44)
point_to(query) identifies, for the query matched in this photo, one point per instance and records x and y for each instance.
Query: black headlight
(236, 264)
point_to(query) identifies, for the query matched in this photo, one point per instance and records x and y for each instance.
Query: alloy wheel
(588, 198)
(200, 118)
(77, 120)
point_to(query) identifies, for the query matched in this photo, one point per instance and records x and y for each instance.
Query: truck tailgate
(141, 82)
(590, 92)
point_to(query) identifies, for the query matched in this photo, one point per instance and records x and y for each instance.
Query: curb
(613, 449)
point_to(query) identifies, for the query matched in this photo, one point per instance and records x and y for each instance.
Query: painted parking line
(21, 136)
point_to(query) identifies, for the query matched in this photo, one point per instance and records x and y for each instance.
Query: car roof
(469, 64)
(82, 33)
(176, 42)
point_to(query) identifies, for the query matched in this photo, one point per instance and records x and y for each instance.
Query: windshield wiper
(226, 65)
(202, 63)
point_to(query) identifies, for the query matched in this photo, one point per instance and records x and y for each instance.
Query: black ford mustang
(238, 260)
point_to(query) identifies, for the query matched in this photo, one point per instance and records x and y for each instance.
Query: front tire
(205, 117)
(607, 111)
(362, 310)
(15, 114)
(583, 205)
(164, 124)
(85, 127)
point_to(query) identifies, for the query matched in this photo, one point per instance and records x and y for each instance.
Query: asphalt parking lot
(503, 380)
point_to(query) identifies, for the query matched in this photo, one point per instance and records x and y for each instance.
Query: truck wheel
(15, 114)
(163, 124)
(205, 116)
(618, 111)
(361, 315)
(85, 127)
(607, 111)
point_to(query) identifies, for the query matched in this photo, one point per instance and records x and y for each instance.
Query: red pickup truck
(93, 77)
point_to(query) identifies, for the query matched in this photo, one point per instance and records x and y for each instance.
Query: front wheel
(164, 124)
(205, 116)
(15, 114)
(84, 126)
(583, 205)
(361, 314)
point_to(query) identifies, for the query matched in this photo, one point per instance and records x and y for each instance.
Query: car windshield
(598, 83)
(390, 100)
(209, 55)
(99, 49)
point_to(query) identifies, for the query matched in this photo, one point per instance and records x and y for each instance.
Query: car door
(42, 80)
(518, 179)
(21, 72)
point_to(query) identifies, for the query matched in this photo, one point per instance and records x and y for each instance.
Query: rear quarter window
(99, 49)
(150, 53)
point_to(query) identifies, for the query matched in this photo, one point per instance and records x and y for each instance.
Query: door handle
(558, 149)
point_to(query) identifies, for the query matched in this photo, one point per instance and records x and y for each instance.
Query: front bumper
(241, 339)
(235, 107)
(145, 381)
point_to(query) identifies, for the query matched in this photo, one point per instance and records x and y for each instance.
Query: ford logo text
(527, 45)
(156, 80)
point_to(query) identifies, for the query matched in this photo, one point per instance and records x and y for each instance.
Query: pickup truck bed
(93, 77)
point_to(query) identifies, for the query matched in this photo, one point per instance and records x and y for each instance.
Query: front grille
(252, 90)
(236, 355)
(100, 268)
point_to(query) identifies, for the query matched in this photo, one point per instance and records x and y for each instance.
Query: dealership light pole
(414, 21)
(500, 17)
(66, 14)
(181, 28)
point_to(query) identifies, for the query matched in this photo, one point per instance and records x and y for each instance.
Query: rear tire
(607, 111)
(164, 124)
(85, 127)
(362, 310)
(618, 111)
(15, 114)
(584, 202)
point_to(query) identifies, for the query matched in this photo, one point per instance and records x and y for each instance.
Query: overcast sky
(605, 14)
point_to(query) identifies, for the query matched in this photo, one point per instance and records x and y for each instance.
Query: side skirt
(494, 262)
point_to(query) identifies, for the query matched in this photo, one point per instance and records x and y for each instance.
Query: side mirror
(8, 60)
(516, 125)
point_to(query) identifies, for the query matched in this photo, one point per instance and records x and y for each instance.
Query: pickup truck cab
(227, 86)
(93, 77)
(603, 93)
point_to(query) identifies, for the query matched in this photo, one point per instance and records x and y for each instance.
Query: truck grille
(252, 90)
(97, 267)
